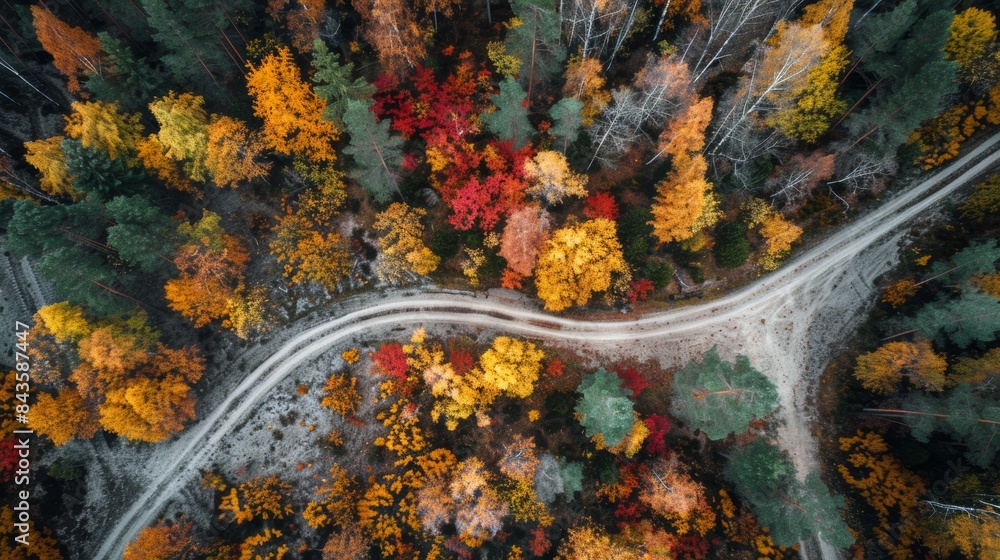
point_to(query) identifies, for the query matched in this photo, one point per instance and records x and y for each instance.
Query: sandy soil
(786, 323)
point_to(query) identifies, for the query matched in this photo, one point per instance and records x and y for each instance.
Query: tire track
(789, 286)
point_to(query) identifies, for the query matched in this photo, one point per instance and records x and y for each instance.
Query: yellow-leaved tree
(48, 158)
(585, 82)
(578, 261)
(403, 249)
(510, 367)
(777, 232)
(308, 254)
(183, 131)
(552, 180)
(101, 126)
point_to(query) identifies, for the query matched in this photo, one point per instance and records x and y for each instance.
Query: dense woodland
(191, 175)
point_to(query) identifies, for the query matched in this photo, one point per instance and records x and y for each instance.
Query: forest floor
(787, 323)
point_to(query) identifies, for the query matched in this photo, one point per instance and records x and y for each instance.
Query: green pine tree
(510, 119)
(141, 234)
(537, 41)
(333, 82)
(378, 154)
(605, 406)
(566, 121)
(721, 398)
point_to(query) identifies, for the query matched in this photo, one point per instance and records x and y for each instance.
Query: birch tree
(661, 88)
(599, 27)
(771, 79)
(728, 31)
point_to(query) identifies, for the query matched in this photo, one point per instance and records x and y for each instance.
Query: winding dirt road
(786, 323)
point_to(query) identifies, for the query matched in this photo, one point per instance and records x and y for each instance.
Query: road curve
(830, 257)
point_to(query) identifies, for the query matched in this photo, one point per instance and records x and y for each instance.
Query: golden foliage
(63, 418)
(886, 486)
(684, 202)
(163, 541)
(260, 498)
(309, 255)
(341, 395)
(42, 545)
(551, 178)
(291, 111)
(577, 261)
(375, 515)
(264, 546)
(351, 355)
(403, 248)
(148, 409)
(882, 370)
(588, 542)
(778, 233)
(153, 156)
(48, 158)
(234, 152)
(510, 367)
(338, 494)
(975, 537)
(523, 503)
(100, 126)
(633, 440)
(507, 65)
(972, 33)
(988, 283)
(585, 82)
(897, 294)
(246, 310)
(64, 321)
(405, 436)
(976, 370)
(680, 199)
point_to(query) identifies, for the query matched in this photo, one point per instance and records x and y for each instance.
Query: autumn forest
(457, 279)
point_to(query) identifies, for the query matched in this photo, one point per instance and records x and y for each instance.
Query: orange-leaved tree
(291, 110)
(882, 370)
(260, 498)
(684, 202)
(234, 152)
(75, 52)
(163, 541)
(211, 263)
(390, 27)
